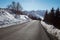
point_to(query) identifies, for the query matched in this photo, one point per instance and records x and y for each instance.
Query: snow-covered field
(7, 19)
(51, 29)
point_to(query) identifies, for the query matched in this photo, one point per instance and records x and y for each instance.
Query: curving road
(26, 31)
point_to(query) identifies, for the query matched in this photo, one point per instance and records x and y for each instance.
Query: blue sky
(33, 4)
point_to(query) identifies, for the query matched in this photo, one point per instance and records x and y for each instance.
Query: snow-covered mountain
(38, 13)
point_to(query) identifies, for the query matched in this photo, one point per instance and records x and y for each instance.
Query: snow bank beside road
(7, 25)
(7, 19)
(51, 30)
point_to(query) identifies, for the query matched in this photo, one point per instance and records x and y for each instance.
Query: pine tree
(46, 15)
(51, 16)
(57, 18)
(57, 13)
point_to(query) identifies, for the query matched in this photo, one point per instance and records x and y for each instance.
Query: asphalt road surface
(26, 31)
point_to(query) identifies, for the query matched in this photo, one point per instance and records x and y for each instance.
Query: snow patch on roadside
(51, 30)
